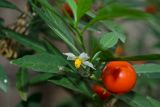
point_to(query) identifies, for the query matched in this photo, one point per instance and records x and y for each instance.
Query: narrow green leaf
(3, 80)
(154, 102)
(147, 68)
(65, 83)
(22, 79)
(7, 4)
(93, 45)
(35, 45)
(120, 10)
(70, 83)
(108, 40)
(151, 75)
(55, 22)
(136, 100)
(40, 78)
(117, 29)
(72, 4)
(53, 50)
(82, 7)
(113, 11)
(43, 62)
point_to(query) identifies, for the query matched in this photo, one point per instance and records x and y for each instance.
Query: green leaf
(72, 4)
(151, 75)
(154, 102)
(40, 78)
(22, 79)
(82, 7)
(3, 80)
(35, 45)
(43, 62)
(55, 22)
(120, 10)
(147, 68)
(70, 83)
(93, 45)
(117, 29)
(113, 11)
(136, 100)
(7, 4)
(108, 40)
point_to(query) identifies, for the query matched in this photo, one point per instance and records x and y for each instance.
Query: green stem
(82, 40)
(96, 55)
(80, 36)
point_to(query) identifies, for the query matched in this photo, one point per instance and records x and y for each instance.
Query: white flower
(79, 60)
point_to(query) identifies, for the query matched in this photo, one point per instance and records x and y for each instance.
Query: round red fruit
(100, 91)
(119, 77)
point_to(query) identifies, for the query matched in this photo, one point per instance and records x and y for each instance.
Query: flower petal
(70, 56)
(87, 63)
(84, 56)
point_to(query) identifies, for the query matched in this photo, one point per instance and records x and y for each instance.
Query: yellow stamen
(78, 62)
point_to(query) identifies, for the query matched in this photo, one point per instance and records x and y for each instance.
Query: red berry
(119, 50)
(119, 77)
(100, 91)
(151, 9)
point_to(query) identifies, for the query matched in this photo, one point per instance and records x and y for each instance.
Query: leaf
(22, 79)
(120, 10)
(151, 75)
(93, 45)
(55, 22)
(43, 62)
(3, 80)
(35, 45)
(73, 6)
(53, 50)
(108, 40)
(136, 100)
(82, 7)
(113, 11)
(154, 102)
(147, 68)
(70, 83)
(7, 4)
(40, 78)
(117, 29)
